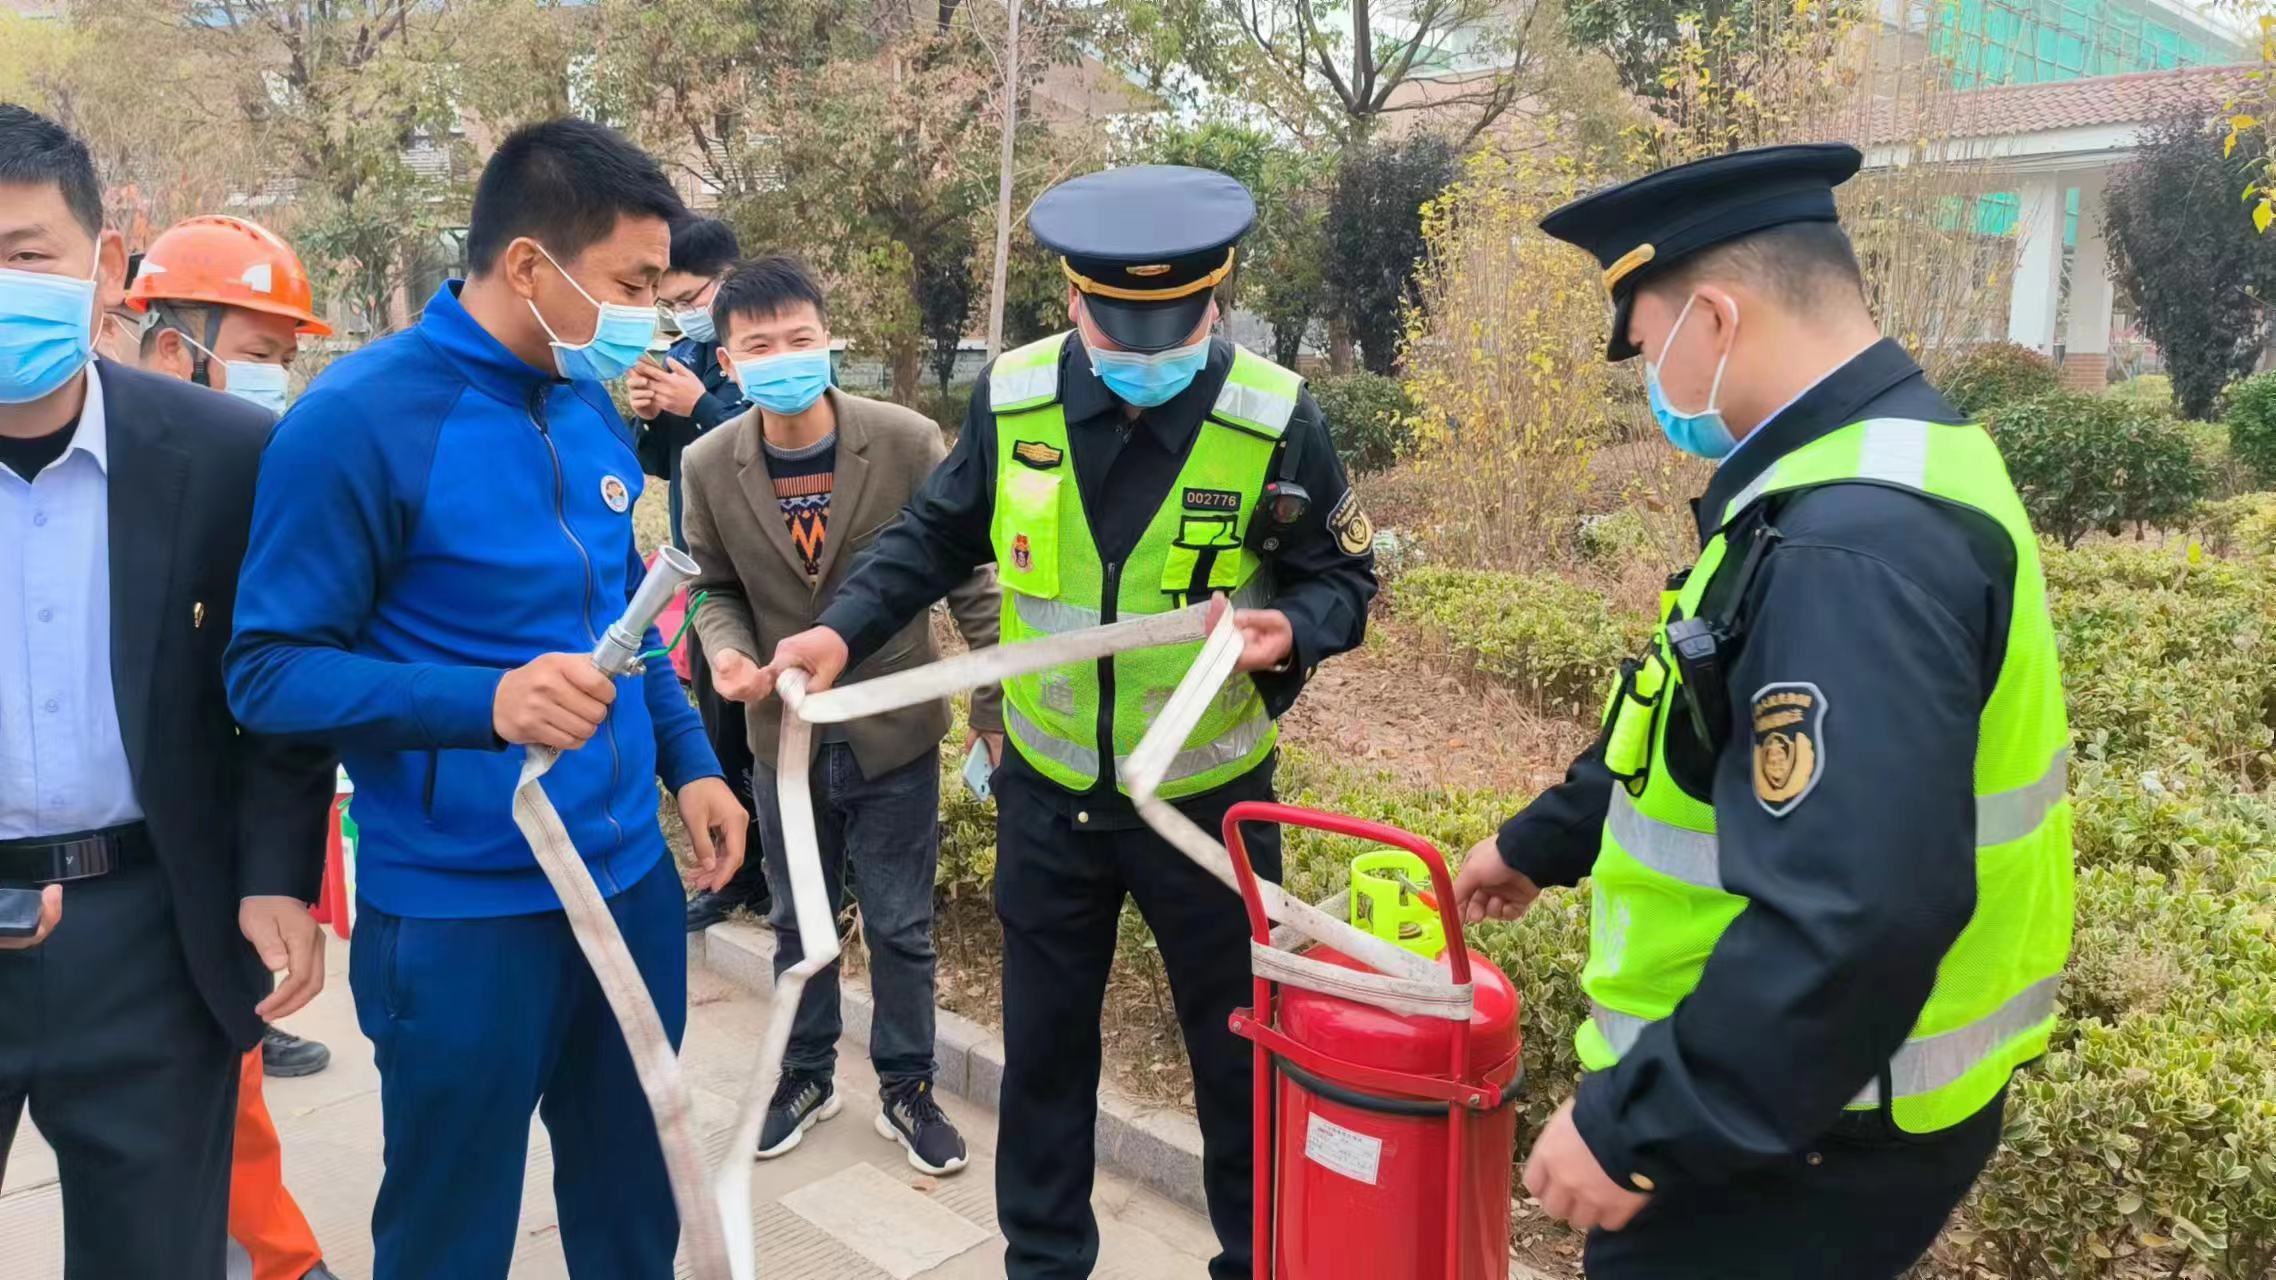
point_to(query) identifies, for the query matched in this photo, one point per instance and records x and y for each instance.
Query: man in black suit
(161, 840)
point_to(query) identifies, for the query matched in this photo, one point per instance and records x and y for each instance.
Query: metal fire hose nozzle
(618, 653)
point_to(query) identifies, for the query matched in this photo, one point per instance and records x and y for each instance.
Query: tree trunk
(1339, 346)
(904, 366)
(996, 276)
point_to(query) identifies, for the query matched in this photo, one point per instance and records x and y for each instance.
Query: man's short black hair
(1807, 264)
(765, 287)
(37, 152)
(703, 246)
(563, 183)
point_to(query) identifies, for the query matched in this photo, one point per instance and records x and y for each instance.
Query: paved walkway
(845, 1206)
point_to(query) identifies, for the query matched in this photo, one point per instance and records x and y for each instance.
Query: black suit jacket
(230, 814)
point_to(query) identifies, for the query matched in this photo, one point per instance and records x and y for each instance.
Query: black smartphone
(19, 913)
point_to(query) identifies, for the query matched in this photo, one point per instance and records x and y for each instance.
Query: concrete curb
(1158, 1148)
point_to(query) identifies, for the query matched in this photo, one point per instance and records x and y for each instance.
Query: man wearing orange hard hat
(224, 303)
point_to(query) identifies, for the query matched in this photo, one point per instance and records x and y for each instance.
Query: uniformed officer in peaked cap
(1825, 825)
(1131, 465)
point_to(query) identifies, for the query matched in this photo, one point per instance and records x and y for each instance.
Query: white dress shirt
(63, 766)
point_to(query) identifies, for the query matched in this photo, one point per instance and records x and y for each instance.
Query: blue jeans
(476, 1023)
(888, 828)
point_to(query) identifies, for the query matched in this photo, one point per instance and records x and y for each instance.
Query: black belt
(50, 859)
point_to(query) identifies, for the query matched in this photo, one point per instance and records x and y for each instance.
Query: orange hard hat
(222, 261)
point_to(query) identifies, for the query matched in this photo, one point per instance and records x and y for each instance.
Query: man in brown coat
(779, 504)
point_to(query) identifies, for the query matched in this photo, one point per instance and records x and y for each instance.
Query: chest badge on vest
(1022, 558)
(615, 494)
(1037, 454)
(1789, 744)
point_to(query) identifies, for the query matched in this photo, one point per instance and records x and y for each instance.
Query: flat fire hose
(658, 1068)
(718, 1238)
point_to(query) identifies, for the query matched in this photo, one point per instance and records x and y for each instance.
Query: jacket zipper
(561, 517)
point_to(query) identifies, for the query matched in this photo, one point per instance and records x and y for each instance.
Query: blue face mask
(1149, 380)
(619, 339)
(1703, 434)
(695, 324)
(787, 384)
(47, 332)
(253, 381)
(258, 383)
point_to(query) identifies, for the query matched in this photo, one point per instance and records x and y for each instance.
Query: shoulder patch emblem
(1789, 744)
(1037, 454)
(1355, 533)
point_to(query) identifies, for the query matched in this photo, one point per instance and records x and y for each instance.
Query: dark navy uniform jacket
(1124, 469)
(667, 435)
(1896, 607)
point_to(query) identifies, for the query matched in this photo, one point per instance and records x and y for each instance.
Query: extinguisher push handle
(1289, 815)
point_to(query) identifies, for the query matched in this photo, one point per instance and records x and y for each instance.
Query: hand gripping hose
(617, 654)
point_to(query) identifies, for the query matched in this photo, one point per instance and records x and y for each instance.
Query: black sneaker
(706, 908)
(800, 1102)
(287, 1056)
(910, 1117)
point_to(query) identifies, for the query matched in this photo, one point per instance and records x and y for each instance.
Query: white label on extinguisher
(1347, 1151)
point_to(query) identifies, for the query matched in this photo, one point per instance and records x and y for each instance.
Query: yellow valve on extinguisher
(1389, 901)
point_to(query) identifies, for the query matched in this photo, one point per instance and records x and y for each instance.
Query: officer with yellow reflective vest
(1132, 466)
(1825, 825)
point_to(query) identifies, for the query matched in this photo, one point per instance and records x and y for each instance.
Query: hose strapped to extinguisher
(718, 1234)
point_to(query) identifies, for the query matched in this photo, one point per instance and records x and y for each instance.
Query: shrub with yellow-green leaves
(2167, 663)
(2147, 1136)
(1541, 633)
(2150, 1128)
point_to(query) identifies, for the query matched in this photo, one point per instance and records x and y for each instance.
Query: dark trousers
(724, 725)
(477, 1023)
(1059, 891)
(887, 829)
(1858, 1207)
(128, 1077)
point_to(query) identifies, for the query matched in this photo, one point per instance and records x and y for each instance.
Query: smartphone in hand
(19, 913)
(979, 774)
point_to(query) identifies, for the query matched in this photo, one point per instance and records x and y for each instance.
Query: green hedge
(2251, 421)
(2089, 462)
(1370, 418)
(1539, 632)
(1998, 373)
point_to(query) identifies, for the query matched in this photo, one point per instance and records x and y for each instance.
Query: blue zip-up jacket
(432, 513)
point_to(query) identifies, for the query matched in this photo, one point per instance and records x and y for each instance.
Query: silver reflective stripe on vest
(1250, 404)
(1052, 617)
(2011, 815)
(1030, 736)
(1695, 857)
(1895, 451)
(1236, 744)
(1933, 1062)
(1619, 1030)
(1022, 386)
(1921, 1066)
(1675, 852)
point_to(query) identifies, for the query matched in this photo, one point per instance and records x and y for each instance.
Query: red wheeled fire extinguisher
(1384, 1136)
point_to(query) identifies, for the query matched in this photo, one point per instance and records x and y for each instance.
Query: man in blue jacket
(442, 530)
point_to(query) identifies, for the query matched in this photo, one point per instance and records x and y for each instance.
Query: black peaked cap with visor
(1146, 246)
(1640, 229)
